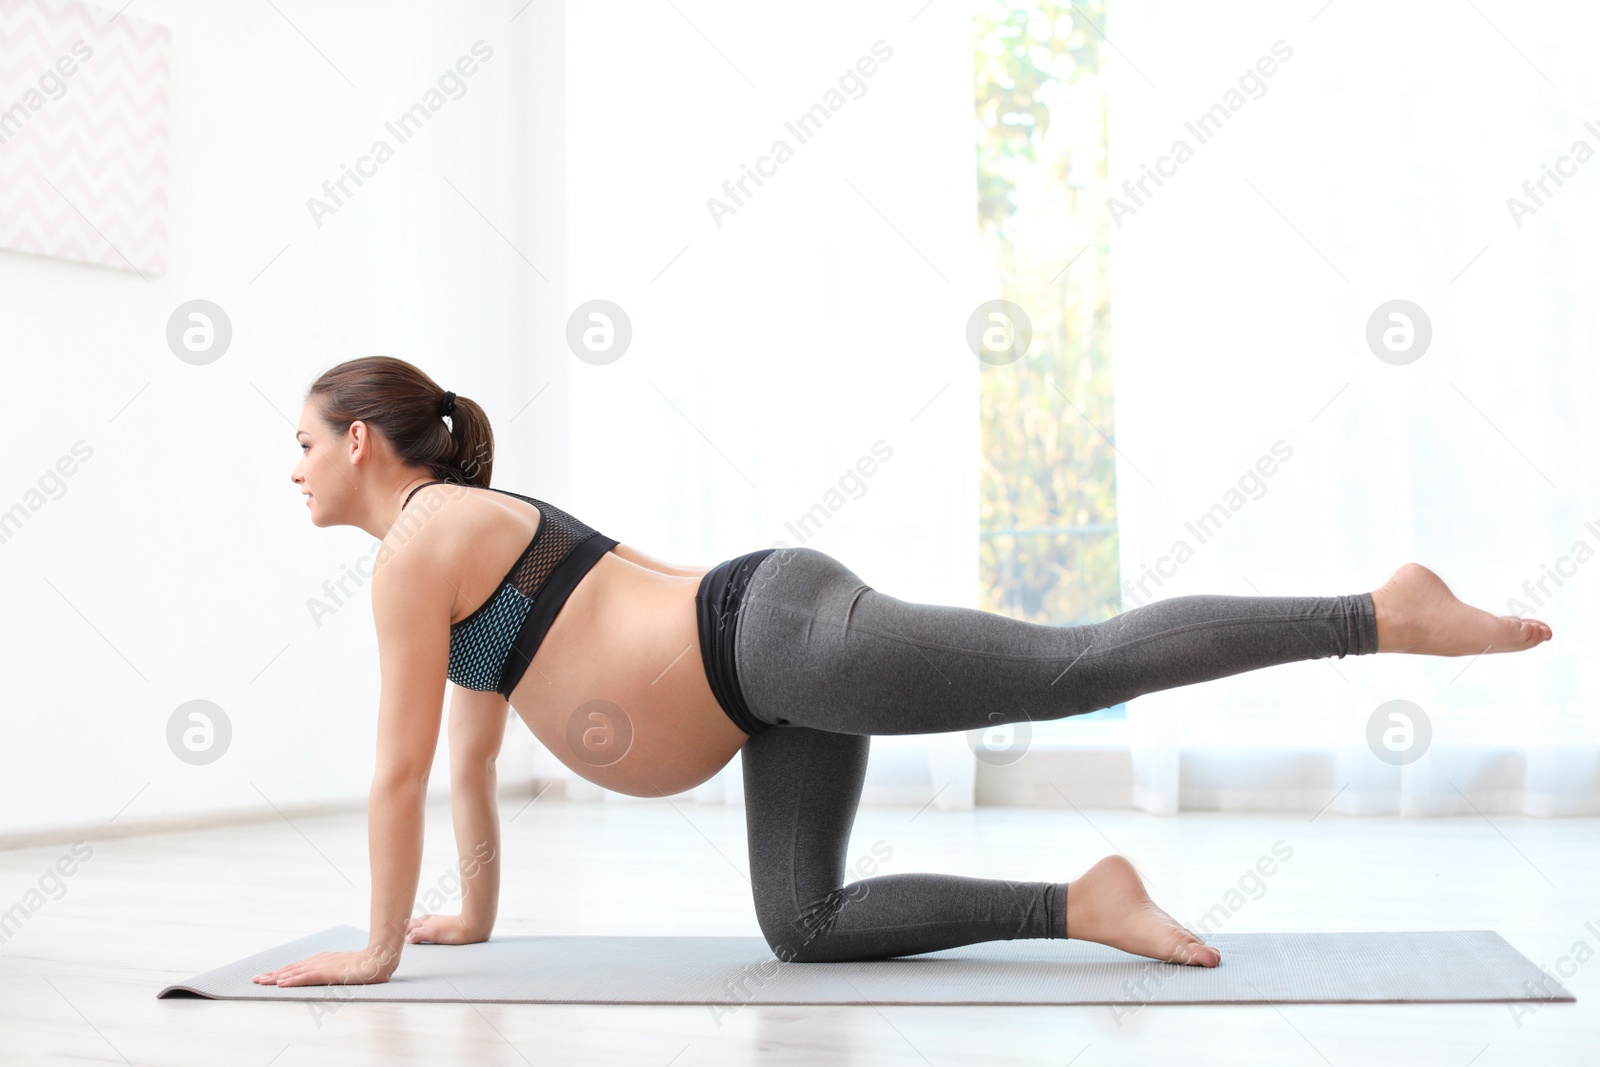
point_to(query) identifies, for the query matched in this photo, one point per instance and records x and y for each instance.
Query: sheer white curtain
(1367, 167)
(797, 372)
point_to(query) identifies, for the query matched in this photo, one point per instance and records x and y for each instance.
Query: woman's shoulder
(445, 519)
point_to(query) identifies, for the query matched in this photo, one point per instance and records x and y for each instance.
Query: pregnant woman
(646, 678)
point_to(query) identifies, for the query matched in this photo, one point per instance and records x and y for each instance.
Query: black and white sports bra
(491, 648)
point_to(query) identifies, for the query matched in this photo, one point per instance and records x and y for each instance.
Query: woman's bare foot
(1108, 905)
(1418, 613)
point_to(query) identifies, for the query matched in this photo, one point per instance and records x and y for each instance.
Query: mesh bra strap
(548, 602)
(563, 550)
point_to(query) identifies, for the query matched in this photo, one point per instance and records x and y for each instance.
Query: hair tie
(448, 404)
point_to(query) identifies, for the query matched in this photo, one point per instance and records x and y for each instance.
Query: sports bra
(491, 648)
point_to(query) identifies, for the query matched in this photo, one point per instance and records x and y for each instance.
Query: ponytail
(404, 404)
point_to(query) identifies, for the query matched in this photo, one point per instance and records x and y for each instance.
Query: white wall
(178, 563)
(178, 560)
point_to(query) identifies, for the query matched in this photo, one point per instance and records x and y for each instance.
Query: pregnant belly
(617, 691)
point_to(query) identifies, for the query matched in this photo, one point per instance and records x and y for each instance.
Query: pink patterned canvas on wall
(83, 134)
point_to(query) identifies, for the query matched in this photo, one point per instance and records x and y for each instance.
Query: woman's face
(322, 473)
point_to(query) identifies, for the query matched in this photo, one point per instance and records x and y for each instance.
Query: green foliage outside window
(1048, 478)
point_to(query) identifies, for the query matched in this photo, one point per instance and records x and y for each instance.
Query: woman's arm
(411, 603)
(477, 727)
(633, 555)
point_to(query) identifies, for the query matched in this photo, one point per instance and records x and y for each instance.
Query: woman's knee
(806, 934)
(814, 947)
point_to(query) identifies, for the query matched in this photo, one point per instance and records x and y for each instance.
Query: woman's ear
(360, 441)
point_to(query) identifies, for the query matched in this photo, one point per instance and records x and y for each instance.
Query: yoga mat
(1410, 966)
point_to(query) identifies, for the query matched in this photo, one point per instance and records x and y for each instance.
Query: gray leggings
(827, 661)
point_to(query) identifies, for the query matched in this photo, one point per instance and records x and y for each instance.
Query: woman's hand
(367, 967)
(442, 930)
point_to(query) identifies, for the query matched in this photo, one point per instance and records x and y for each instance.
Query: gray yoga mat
(1451, 965)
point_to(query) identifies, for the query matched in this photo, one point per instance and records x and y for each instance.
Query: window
(1047, 511)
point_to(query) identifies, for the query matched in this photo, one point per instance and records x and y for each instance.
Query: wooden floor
(78, 979)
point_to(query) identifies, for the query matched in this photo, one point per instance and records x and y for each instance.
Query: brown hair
(402, 403)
